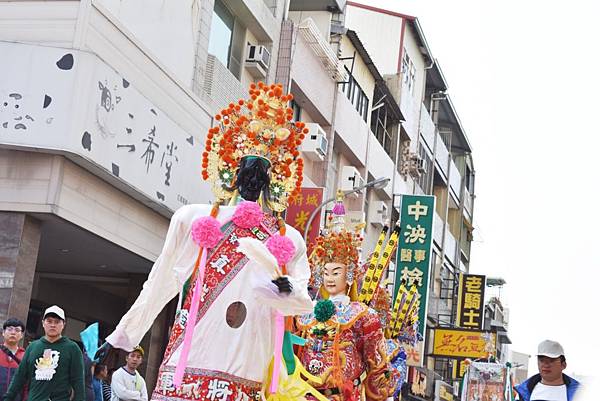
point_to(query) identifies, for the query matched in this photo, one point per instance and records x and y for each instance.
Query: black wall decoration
(86, 141)
(66, 62)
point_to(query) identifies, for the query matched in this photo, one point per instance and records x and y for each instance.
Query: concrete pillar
(157, 343)
(19, 245)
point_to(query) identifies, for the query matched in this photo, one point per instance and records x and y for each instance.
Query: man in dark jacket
(551, 384)
(11, 353)
(52, 366)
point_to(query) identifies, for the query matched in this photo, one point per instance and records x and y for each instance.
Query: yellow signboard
(458, 343)
(459, 367)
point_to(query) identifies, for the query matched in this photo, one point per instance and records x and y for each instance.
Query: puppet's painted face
(334, 278)
(252, 178)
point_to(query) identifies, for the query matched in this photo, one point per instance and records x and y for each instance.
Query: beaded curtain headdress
(259, 126)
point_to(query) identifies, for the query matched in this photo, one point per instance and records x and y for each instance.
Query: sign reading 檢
(413, 261)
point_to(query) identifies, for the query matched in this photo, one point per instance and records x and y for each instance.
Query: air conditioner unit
(414, 165)
(378, 213)
(257, 61)
(314, 146)
(350, 179)
(420, 165)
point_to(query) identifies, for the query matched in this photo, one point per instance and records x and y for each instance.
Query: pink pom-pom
(247, 214)
(206, 232)
(282, 248)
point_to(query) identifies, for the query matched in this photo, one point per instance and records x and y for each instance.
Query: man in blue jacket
(550, 384)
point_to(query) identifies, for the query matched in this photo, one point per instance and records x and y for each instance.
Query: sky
(522, 77)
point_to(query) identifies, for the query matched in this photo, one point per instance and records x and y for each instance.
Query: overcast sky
(523, 76)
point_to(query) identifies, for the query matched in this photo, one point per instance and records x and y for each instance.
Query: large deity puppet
(344, 338)
(223, 337)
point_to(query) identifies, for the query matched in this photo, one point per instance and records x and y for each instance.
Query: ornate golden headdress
(336, 244)
(260, 126)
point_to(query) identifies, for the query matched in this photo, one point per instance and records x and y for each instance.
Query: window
(408, 72)
(297, 111)
(221, 33)
(469, 180)
(426, 178)
(356, 95)
(379, 127)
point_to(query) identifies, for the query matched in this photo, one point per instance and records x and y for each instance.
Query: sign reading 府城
(299, 210)
(413, 261)
(469, 314)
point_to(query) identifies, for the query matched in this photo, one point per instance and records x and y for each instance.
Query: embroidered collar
(346, 312)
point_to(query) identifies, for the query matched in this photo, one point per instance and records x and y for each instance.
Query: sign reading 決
(413, 261)
(299, 210)
(469, 314)
(460, 343)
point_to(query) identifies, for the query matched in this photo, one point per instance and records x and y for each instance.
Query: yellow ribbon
(294, 387)
(372, 265)
(409, 304)
(400, 299)
(383, 264)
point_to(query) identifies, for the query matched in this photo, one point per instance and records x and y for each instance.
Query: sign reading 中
(413, 261)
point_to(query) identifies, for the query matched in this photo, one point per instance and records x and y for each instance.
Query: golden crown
(337, 244)
(259, 126)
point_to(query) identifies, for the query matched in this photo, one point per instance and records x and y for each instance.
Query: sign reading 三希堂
(414, 259)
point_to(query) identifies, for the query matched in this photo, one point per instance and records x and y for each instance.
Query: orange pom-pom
(218, 117)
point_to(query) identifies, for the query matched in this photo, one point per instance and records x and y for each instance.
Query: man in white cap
(52, 366)
(551, 384)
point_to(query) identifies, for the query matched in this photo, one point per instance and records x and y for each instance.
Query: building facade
(105, 107)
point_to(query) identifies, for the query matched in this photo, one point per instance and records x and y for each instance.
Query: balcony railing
(468, 204)
(450, 246)
(438, 229)
(441, 156)
(322, 49)
(455, 179)
(427, 127)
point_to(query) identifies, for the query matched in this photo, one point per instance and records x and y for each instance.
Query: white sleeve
(119, 388)
(298, 302)
(160, 287)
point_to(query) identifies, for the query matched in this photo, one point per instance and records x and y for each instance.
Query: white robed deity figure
(251, 155)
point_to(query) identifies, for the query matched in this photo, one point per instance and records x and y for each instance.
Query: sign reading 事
(469, 314)
(413, 260)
